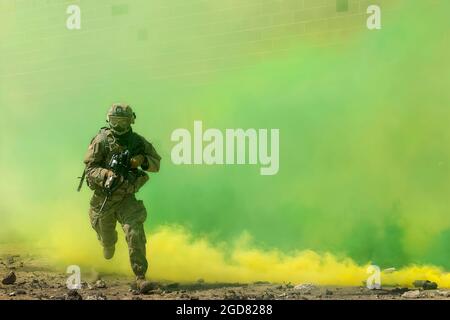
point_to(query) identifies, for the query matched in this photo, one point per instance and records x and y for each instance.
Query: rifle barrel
(81, 181)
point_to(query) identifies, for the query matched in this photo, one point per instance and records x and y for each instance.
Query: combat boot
(108, 252)
(144, 286)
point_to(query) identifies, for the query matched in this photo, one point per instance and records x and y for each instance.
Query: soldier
(122, 205)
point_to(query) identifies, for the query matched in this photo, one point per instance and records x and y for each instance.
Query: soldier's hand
(109, 174)
(137, 161)
(108, 178)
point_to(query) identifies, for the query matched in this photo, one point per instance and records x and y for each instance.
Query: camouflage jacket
(104, 145)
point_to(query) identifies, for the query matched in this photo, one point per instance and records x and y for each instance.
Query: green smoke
(364, 169)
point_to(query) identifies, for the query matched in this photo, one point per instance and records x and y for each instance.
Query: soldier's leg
(132, 215)
(104, 224)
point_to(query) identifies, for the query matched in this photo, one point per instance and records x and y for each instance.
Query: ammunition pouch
(136, 180)
(96, 182)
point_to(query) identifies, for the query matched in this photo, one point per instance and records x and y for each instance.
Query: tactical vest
(113, 145)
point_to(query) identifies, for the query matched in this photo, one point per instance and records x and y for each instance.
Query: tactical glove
(137, 161)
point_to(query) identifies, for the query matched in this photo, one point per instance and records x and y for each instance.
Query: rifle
(120, 166)
(81, 180)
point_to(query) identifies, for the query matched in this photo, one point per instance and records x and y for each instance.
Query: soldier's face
(120, 124)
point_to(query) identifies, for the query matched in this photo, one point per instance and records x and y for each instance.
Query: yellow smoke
(176, 255)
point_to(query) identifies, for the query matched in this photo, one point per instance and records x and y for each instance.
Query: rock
(9, 279)
(443, 293)
(97, 297)
(414, 294)
(73, 295)
(100, 284)
(430, 286)
(153, 291)
(146, 287)
(399, 290)
(425, 284)
(304, 287)
(173, 286)
(429, 294)
(267, 295)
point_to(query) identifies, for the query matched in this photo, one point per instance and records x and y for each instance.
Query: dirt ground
(36, 280)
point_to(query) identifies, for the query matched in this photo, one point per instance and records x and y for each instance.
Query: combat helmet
(120, 118)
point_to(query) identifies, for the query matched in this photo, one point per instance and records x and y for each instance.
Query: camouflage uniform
(122, 206)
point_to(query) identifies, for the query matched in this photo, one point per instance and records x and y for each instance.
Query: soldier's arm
(94, 160)
(152, 158)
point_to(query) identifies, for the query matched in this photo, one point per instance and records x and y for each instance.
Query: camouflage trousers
(131, 214)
